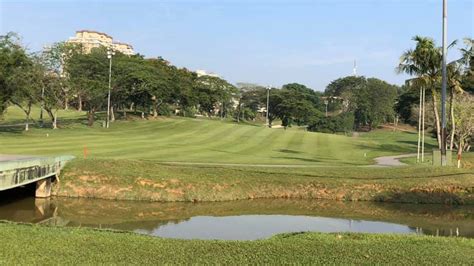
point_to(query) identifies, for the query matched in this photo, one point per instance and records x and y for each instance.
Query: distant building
(92, 39)
(201, 73)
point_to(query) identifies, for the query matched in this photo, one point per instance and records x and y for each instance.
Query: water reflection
(250, 219)
(250, 227)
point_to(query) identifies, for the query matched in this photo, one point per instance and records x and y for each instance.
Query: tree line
(63, 76)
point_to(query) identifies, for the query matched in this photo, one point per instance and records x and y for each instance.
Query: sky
(268, 42)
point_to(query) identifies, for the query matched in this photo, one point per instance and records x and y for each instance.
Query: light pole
(443, 86)
(268, 106)
(110, 53)
(42, 107)
(326, 102)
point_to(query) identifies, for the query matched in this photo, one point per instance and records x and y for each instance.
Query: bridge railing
(20, 172)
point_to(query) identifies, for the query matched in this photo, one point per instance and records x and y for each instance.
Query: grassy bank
(152, 181)
(24, 244)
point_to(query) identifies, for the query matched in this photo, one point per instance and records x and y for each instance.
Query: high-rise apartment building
(91, 39)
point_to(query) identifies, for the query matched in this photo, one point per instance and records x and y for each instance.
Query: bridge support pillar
(43, 188)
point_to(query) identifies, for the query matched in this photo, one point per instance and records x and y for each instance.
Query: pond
(242, 220)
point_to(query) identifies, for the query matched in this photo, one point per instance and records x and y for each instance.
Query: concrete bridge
(17, 171)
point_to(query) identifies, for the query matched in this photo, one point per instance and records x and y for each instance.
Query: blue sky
(270, 42)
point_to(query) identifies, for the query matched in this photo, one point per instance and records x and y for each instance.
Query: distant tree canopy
(374, 103)
(369, 101)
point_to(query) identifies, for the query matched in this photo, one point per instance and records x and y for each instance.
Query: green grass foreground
(33, 244)
(153, 181)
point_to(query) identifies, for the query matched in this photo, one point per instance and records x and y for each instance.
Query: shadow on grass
(402, 147)
(14, 129)
(289, 151)
(18, 126)
(297, 159)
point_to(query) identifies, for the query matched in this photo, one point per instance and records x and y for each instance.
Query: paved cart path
(386, 161)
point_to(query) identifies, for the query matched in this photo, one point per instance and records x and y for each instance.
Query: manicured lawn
(201, 140)
(31, 244)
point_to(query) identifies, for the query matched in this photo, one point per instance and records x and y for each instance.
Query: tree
(424, 62)
(343, 122)
(90, 72)
(344, 89)
(251, 99)
(214, 94)
(183, 93)
(52, 97)
(374, 103)
(26, 82)
(464, 123)
(55, 59)
(161, 88)
(294, 103)
(408, 97)
(467, 61)
(371, 101)
(13, 58)
(210, 92)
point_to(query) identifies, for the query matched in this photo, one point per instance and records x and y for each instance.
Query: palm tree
(424, 62)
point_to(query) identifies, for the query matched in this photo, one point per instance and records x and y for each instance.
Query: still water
(242, 220)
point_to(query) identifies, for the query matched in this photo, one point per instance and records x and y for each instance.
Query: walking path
(384, 161)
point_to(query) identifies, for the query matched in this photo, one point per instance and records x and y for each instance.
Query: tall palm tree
(424, 62)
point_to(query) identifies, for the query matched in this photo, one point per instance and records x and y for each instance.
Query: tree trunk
(55, 121)
(154, 110)
(222, 110)
(28, 112)
(90, 117)
(437, 122)
(79, 103)
(27, 122)
(53, 117)
(131, 107)
(112, 115)
(453, 123)
(66, 102)
(460, 152)
(238, 113)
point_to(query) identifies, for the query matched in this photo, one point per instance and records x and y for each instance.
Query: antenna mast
(354, 70)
